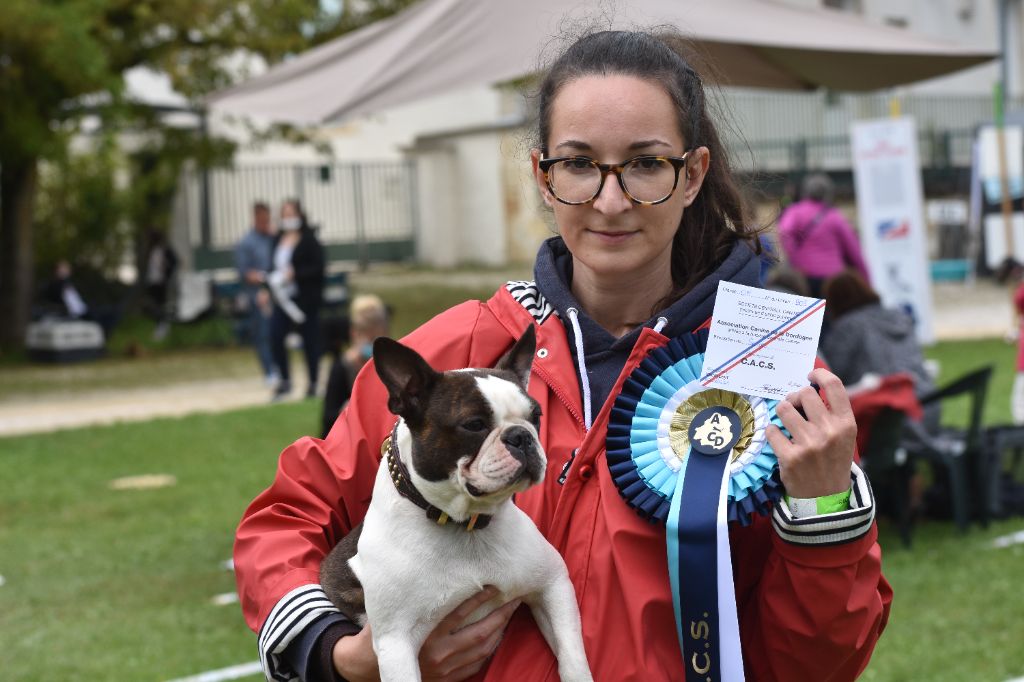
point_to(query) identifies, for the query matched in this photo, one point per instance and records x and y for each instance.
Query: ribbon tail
(672, 545)
(729, 627)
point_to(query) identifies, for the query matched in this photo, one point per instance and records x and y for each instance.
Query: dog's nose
(516, 439)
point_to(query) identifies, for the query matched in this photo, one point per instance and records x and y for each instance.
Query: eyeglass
(646, 180)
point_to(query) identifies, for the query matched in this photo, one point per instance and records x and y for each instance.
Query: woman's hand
(450, 653)
(354, 658)
(815, 461)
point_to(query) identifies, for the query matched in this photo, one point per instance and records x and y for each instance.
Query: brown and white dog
(441, 524)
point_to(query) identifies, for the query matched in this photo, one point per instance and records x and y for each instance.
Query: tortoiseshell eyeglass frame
(678, 162)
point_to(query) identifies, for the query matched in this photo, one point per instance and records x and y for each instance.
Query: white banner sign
(887, 179)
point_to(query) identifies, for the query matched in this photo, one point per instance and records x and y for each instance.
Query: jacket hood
(553, 273)
(895, 324)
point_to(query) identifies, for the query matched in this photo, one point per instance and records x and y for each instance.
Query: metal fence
(362, 211)
(773, 131)
(936, 148)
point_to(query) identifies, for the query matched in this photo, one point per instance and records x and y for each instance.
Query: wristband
(802, 508)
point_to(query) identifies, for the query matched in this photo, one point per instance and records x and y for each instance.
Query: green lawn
(112, 585)
(116, 585)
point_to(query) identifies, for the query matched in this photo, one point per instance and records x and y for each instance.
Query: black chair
(959, 455)
(890, 469)
(1003, 440)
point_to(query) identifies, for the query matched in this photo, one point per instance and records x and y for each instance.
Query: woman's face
(288, 210)
(613, 118)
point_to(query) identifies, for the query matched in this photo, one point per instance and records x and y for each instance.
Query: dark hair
(785, 278)
(845, 292)
(259, 206)
(297, 203)
(715, 220)
(818, 187)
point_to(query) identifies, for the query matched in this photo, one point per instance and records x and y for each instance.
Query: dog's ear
(520, 358)
(406, 375)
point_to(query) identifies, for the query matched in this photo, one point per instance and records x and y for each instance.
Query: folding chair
(890, 468)
(959, 454)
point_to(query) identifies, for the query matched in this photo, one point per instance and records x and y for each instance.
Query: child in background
(368, 319)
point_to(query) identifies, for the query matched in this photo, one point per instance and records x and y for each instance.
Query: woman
(622, 265)
(866, 338)
(815, 236)
(296, 285)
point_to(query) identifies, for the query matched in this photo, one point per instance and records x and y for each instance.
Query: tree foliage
(62, 61)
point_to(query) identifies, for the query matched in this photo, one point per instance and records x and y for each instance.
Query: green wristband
(830, 504)
(816, 506)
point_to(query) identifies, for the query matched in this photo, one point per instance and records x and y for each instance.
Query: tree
(63, 60)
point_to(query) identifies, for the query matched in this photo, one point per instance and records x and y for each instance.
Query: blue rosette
(647, 441)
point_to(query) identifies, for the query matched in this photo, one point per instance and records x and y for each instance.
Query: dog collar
(403, 484)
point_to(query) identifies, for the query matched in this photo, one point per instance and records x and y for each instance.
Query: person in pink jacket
(816, 238)
(630, 163)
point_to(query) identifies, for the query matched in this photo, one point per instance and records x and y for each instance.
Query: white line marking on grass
(143, 482)
(231, 673)
(3, 581)
(224, 599)
(1006, 541)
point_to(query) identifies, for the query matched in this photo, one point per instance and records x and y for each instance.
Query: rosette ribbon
(694, 459)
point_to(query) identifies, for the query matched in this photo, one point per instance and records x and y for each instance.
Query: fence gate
(363, 212)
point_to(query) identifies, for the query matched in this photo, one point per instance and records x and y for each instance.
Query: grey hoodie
(876, 340)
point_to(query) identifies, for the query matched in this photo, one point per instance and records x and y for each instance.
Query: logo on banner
(893, 229)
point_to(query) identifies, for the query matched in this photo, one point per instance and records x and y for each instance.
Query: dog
(441, 524)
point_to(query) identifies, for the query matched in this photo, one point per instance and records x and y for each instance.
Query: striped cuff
(830, 529)
(288, 619)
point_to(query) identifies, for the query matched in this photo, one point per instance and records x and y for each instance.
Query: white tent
(442, 45)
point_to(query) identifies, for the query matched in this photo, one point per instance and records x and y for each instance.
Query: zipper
(561, 396)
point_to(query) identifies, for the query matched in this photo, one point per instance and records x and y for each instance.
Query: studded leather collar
(403, 484)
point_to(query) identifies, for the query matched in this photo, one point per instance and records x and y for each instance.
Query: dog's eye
(474, 425)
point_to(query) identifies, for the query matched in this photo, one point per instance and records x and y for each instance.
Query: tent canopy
(442, 45)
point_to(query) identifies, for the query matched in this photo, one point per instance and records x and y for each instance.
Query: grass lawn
(114, 585)
(111, 585)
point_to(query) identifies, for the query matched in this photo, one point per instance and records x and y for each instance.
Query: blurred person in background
(865, 338)
(161, 264)
(253, 258)
(62, 298)
(296, 284)
(1010, 274)
(816, 238)
(368, 319)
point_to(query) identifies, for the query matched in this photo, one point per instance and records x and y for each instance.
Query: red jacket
(806, 612)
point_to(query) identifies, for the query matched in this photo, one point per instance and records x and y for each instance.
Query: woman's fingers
(835, 393)
(453, 652)
(458, 616)
(475, 643)
(815, 459)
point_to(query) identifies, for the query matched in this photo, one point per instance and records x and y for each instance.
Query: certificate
(762, 343)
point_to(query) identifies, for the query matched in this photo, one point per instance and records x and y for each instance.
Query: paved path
(52, 412)
(977, 311)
